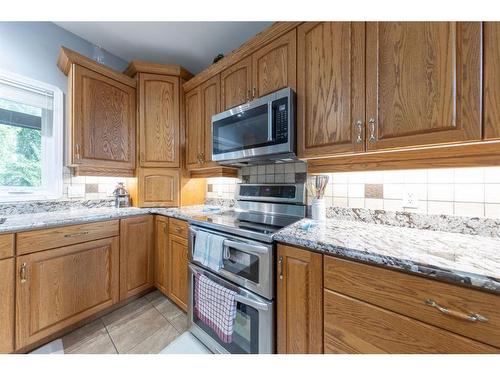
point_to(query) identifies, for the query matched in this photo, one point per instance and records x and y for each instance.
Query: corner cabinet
(136, 255)
(162, 266)
(102, 116)
(299, 301)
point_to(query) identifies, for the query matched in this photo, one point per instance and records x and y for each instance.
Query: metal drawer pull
(280, 263)
(69, 235)
(247, 301)
(245, 247)
(359, 126)
(22, 273)
(457, 314)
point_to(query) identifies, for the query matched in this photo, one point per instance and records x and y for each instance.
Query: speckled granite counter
(460, 258)
(17, 223)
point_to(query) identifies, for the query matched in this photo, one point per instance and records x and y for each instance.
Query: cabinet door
(195, 143)
(103, 122)
(136, 255)
(236, 84)
(57, 288)
(210, 96)
(299, 301)
(161, 254)
(353, 326)
(331, 88)
(491, 80)
(423, 83)
(274, 65)
(158, 187)
(7, 288)
(158, 120)
(178, 259)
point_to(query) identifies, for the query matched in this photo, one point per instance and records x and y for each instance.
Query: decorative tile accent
(374, 191)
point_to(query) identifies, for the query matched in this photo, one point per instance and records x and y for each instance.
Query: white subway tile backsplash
(440, 175)
(340, 202)
(270, 169)
(469, 175)
(279, 178)
(393, 204)
(300, 167)
(439, 208)
(279, 168)
(469, 193)
(356, 177)
(440, 192)
(374, 204)
(492, 210)
(393, 191)
(374, 177)
(289, 177)
(492, 175)
(356, 190)
(339, 178)
(356, 202)
(492, 193)
(340, 190)
(416, 176)
(261, 169)
(469, 209)
(290, 168)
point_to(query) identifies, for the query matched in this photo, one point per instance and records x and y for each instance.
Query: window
(31, 121)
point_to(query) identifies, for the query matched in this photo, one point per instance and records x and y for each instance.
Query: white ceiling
(190, 44)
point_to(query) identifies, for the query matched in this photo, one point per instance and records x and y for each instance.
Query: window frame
(52, 148)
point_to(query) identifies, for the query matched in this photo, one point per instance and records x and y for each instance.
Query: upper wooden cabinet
(158, 102)
(331, 90)
(102, 117)
(60, 287)
(299, 301)
(136, 255)
(7, 288)
(273, 66)
(201, 104)
(423, 83)
(491, 74)
(236, 84)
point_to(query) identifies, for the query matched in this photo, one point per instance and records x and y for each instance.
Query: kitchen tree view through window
(30, 139)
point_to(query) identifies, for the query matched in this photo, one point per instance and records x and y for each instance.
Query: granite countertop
(470, 260)
(23, 222)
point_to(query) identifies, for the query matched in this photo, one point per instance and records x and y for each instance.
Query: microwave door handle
(246, 247)
(270, 121)
(255, 304)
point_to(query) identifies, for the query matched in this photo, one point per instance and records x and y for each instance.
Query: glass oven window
(242, 131)
(242, 264)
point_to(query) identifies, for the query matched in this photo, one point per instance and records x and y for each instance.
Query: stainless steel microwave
(257, 131)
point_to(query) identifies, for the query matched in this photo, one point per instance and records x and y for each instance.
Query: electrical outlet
(410, 199)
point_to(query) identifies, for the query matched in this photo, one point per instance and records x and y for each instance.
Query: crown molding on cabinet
(139, 66)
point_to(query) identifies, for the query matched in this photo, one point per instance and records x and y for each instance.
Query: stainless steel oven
(263, 129)
(253, 327)
(250, 263)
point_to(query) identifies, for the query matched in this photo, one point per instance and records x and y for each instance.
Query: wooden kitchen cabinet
(162, 267)
(201, 104)
(491, 74)
(299, 301)
(158, 187)
(102, 114)
(60, 287)
(236, 84)
(7, 288)
(274, 65)
(331, 88)
(178, 259)
(136, 255)
(423, 83)
(158, 127)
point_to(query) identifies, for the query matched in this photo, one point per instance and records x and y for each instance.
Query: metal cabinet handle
(142, 156)
(371, 122)
(69, 235)
(280, 264)
(456, 314)
(77, 151)
(23, 273)
(246, 247)
(248, 95)
(202, 155)
(253, 92)
(359, 127)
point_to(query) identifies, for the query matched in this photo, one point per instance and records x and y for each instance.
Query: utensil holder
(318, 209)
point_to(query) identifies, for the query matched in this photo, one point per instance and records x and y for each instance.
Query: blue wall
(31, 49)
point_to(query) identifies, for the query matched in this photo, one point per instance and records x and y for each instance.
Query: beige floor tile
(180, 322)
(166, 307)
(156, 342)
(89, 339)
(126, 313)
(136, 329)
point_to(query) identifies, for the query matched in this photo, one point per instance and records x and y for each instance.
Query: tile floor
(144, 326)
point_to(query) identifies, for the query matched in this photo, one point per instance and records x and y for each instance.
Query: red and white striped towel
(215, 306)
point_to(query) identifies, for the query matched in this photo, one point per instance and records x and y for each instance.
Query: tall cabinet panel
(158, 120)
(194, 128)
(210, 97)
(331, 88)
(423, 83)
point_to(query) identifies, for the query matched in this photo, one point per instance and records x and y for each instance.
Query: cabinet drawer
(30, 242)
(6, 245)
(409, 295)
(353, 326)
(178, 227)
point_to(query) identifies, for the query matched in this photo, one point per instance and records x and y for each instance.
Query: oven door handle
(246, 247)
(255, 304)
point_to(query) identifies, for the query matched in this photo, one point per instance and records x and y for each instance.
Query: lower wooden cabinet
(354, 326)
(162, 281)
(136, 255)
(57, 288)
(299, 301)
(7, 305)
(178, 259)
